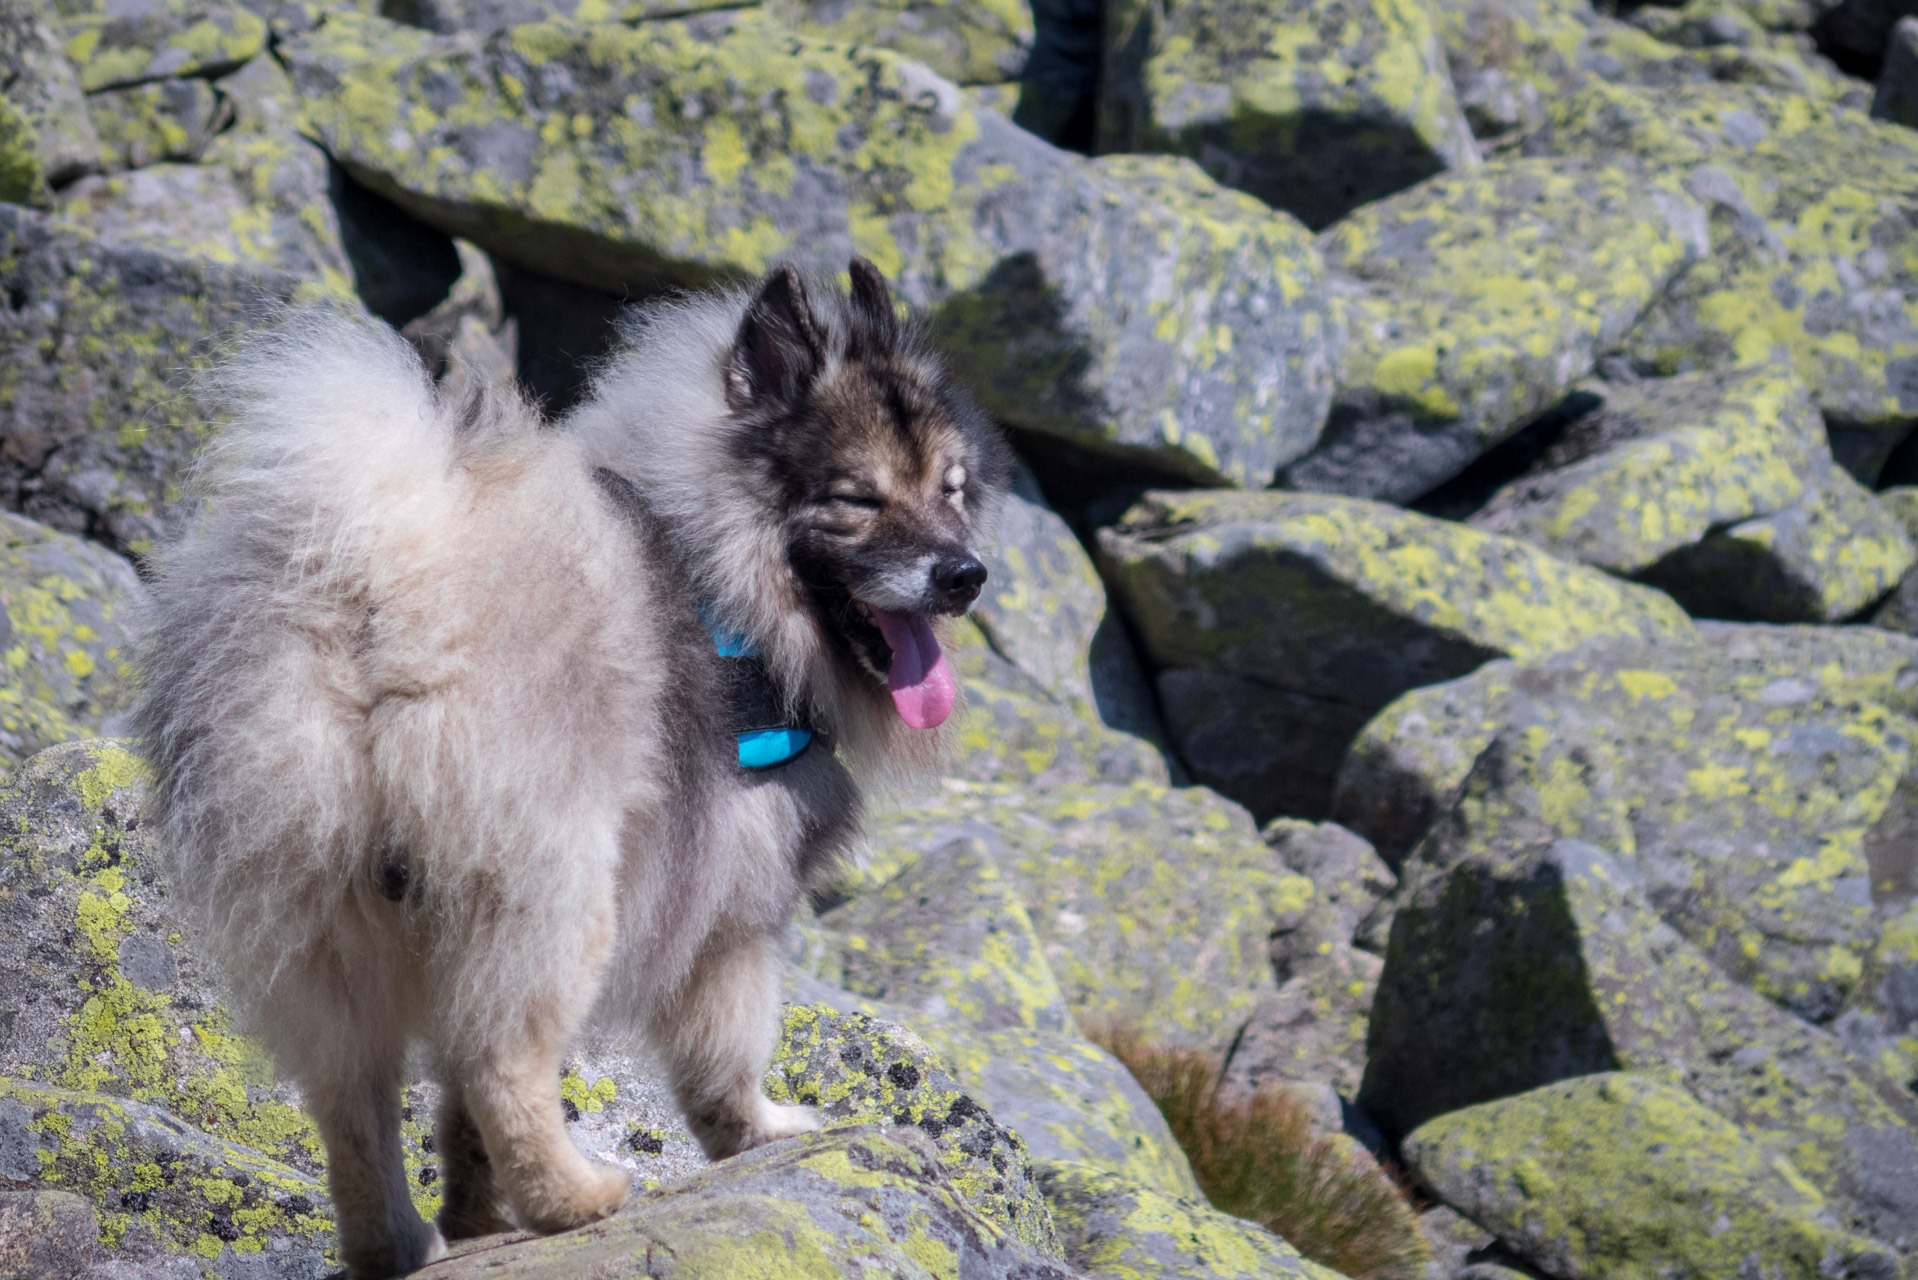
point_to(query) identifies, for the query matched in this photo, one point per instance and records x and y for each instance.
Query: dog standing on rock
(470, 729)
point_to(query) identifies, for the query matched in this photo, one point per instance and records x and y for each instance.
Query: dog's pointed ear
(872, 302)
(778, 349)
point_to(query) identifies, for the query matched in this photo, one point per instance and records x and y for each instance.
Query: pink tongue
(920, 680)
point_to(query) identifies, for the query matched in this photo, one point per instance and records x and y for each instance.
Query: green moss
(1624, 1175)
(21, 181)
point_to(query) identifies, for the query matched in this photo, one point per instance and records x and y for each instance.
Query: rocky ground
(1451, 654)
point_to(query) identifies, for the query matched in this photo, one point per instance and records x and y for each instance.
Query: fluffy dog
(469, 728)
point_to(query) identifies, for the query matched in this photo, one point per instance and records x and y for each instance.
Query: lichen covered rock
(97, 432)
(50, 125)
(1130, 306)
(1622, 1175)
(1522, 955)
(864, 1199)
(855, 1069)
(1116, 1229)
(162, 1188)
(1812, 257)
(68, 643)
(981, 42)
(111, 46)
(1154, 906)
(1313, 106)
(1655, 465)
(1273, 600)
(1824, 558)
(1473, 301)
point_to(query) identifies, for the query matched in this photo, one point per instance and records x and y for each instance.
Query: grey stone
(45, 1235)
(41, 85)
(1897, 97)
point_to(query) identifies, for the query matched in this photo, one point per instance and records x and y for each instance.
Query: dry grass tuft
(1256, 1157)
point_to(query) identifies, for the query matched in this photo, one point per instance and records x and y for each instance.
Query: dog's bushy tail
(337, 444)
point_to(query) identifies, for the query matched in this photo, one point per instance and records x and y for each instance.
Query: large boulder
(868, 1199)
(1897, 97)
(68, 606)
(1718, 487)
(1758, 803)
(1473, 301)
(1130, 305)
(1521, 956)
(980, 43)
(1054, 691)
(95, 433)
(1406, 767)
(1281, 622)
(1314, 106)
(1153, 906)
(114, 45)
(1812, 243)
(1615, 1175)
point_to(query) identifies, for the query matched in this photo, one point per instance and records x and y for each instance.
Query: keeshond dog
(469, 729)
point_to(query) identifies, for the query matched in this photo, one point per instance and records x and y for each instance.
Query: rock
(43, 91)
(474, 295)
(983, 43)
(1058, 90)
(1115, 1228)
(68, 642)
(1857, 30)
(159, 120)
(1513, 59)
(1473, 301)
(854, 1068)
(161, 1187)
(947, 936)
(1313, 106)
(1154, 906)
(96, 433)
(861, 1199)
(1069, 1100)
(1758, 805)
(1897, 96)
(1085, 300)
(1312, 1030)
(450, 16)
(111, 47)
(1351, 881)
(1823, 559)
(1808, 262)
(46, 1235)
(1453, 1239)
(1406, 767)
(1307, 613)
(1655, 465)
(1054, 692)
(1619, 1174)
(1520, 957)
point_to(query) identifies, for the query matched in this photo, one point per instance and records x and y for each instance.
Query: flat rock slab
(1313, 106)
(1619, 1175)
(1473, 301)
(1129, 305)
(1253, 604)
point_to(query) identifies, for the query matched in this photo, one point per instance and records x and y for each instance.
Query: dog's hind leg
(471, 1204)
(717, 1037)
(356, 1106)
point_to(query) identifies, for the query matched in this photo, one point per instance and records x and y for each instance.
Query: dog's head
(888, 475)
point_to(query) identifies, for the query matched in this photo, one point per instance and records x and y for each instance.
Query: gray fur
(440, 749)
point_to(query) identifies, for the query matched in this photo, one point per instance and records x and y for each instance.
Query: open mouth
(916, 672)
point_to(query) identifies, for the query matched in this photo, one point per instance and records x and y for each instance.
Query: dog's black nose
(957, 579)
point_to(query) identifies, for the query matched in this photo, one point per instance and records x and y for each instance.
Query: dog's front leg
(717, 1038)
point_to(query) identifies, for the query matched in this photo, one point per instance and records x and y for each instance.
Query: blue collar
(753, 704)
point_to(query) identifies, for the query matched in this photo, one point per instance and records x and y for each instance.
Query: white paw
(775, 1122)
(435, 1247)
